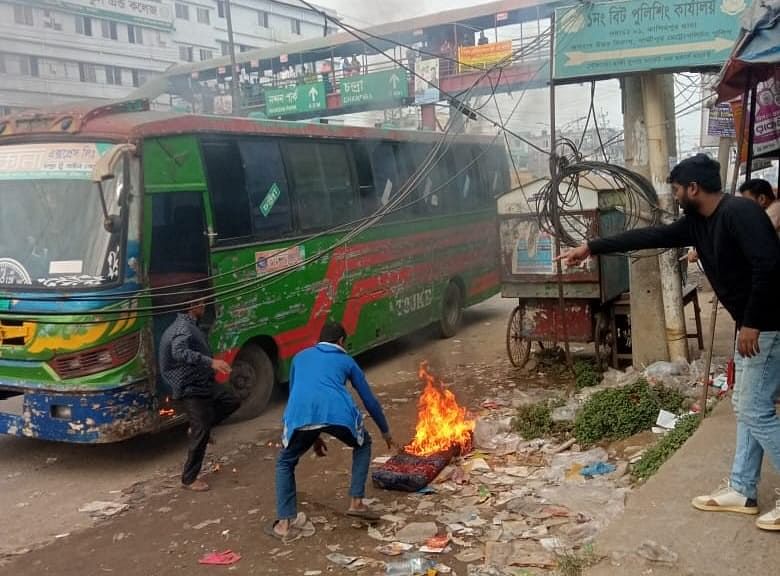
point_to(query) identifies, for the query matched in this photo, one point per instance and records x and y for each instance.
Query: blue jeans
(300, 442)
(756, 387)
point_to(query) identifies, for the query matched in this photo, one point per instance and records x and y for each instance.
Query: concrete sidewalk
(707, 544)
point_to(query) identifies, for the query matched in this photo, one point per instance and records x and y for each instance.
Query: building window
(114, 75)
(28, 66)
(23, 14)
(220, 8)
(109, 29)
(245, 48)
(87, 73)
(206, 54)
(224, 48)
(135, 35)
(185, 53)
(2, 63)
(84, 25)
(204, 16)
(182, 11)
(296, 26)
(262, 19)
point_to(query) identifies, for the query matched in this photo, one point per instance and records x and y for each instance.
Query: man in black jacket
(187, 365)
(741, 256)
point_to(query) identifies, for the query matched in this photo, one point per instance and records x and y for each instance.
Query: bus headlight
(99, 359)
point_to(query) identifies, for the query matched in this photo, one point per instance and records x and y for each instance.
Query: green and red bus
(107, 212)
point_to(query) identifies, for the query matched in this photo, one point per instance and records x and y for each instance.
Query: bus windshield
(51, 223)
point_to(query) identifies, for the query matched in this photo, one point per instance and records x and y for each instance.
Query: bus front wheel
(451, 311)
(252, 379)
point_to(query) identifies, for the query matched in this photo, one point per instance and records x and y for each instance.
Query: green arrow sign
(297, 99)
(384, 86)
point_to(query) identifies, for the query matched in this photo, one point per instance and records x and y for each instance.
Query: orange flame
(441, 422)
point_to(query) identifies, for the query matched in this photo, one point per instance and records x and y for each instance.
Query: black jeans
(204, 413)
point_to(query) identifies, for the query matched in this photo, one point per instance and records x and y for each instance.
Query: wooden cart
(529, 274)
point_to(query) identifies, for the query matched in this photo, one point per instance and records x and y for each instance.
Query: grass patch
(586, 374)
(618, 413)
(533, 420)
(574, 563)
(652, 460)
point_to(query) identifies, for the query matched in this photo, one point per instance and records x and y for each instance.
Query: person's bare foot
(197, 486)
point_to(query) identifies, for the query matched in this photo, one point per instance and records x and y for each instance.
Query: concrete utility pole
(648, 335)
(658, 155)
(235, 92)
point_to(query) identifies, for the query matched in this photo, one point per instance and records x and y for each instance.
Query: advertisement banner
(484, 56)
(426, 90)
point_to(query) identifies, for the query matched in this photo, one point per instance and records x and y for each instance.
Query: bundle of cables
(559, 205)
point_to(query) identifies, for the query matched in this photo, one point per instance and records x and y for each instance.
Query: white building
(54, 51)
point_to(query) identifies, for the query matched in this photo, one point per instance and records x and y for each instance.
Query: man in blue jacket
(320, 403)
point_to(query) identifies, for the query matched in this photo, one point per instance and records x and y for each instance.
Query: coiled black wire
(559, 206)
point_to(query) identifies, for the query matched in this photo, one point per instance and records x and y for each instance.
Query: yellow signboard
(484, 56)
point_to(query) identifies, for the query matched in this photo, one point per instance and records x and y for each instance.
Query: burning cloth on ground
(443, 431)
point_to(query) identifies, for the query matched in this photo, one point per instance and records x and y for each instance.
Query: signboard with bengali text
(615, 38)
(483, 56)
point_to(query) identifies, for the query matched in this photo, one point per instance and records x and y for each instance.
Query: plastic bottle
(409, 566)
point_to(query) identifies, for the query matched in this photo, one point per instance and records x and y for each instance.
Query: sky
(572, 101)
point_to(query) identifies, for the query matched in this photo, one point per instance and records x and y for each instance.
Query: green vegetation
(654, 457)
(618, 413)
(574, 563)
(533, 420)
(586, 374)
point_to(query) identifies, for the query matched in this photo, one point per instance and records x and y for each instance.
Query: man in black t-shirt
(741, 256)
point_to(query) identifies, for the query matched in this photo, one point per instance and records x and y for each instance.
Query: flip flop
(226, 558)
(292, 535)
(366, 514)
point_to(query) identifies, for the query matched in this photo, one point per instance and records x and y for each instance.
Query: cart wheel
(518, 347)
(604, 339)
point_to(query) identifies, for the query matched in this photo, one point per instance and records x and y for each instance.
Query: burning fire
(441, 422)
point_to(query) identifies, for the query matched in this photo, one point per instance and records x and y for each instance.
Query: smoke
(359, 12)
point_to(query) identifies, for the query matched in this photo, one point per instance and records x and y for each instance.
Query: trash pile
(510, 504)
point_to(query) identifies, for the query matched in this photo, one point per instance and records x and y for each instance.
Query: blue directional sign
(614, 38)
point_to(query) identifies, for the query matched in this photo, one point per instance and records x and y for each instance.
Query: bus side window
(385, 172)
(322, 184)
(266, 184)
(369, 197)
(225, 174)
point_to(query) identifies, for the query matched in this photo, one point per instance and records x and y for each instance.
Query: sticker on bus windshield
(275, 260)
(270, 199)
(50, 161)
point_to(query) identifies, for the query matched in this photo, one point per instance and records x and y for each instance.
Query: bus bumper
(89, 418)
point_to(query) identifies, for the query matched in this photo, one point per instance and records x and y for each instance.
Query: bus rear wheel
(252, 379)
(451, 311)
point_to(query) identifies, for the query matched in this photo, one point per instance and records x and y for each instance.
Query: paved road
(43, 484)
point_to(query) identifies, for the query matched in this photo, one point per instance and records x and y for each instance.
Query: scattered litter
(598, 469)
(63, 535)
(253, 511)
(394, 548)
(225, 558)
(417, 532)
(470, 555)
(164, 509)
(552, 544)
(666, 420)
(436, 545)
(409, 566)
(205, 523)
(103, 509)
(341, 559)
(351, 563)
(312, 573)
(381, 460)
